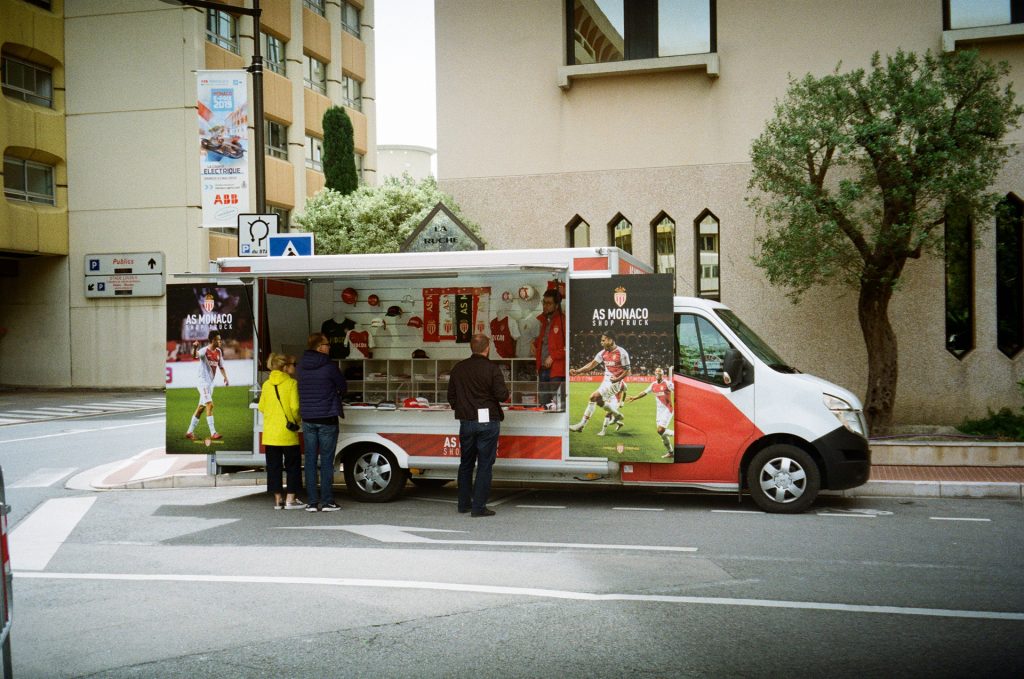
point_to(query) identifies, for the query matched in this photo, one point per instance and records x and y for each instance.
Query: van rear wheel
(783, 479)
(373, 475)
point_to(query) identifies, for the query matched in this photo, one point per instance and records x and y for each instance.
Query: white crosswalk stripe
(43, 477)
(59, 412)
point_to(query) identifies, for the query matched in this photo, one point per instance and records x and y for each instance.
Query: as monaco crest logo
(208, 303)
(620, 448)
(620, 296)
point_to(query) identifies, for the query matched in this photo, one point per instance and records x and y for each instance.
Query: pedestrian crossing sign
(291, 245)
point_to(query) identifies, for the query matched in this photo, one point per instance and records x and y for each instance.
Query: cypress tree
(339, 151)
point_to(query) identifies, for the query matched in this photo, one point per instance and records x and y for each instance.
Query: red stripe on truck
(509, 447)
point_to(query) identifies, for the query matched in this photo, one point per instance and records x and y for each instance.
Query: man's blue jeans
(320, 441)
(479, 446)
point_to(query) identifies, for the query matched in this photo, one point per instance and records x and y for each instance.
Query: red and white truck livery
(743, 420)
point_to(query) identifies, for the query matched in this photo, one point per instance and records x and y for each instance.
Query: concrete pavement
(911, 467)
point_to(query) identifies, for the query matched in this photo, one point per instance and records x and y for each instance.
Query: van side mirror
(738, 373)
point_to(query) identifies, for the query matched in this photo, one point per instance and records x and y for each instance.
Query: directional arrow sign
(383, 533)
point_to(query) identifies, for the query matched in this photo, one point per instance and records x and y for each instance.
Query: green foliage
(339, 152)
(1004, 424)
(854, 172)
(373, 218)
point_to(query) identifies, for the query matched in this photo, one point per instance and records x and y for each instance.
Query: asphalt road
(213, 582)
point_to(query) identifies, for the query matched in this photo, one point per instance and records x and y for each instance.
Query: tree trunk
(880, 341)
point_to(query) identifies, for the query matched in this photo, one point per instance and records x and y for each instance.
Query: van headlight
(848, 416)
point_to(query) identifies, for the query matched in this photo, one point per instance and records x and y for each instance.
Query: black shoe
(483, 512)
(463, 511)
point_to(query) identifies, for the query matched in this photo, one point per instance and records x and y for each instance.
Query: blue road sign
(291, 245)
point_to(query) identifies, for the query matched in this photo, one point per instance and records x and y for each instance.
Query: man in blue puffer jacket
(321, 388)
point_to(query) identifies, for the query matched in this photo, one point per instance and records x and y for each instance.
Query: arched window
(577, 233)
(663, 245)
(1010, 276)
(620, 233)
(707, 249)
(959, 243)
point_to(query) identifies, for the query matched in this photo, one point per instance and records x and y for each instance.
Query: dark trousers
(550, 388)
(290, 458)
(479, 446)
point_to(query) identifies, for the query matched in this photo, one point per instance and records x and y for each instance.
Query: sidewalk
(156, 469)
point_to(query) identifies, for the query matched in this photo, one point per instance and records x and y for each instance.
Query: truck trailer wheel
(373, 475)
(783, 479)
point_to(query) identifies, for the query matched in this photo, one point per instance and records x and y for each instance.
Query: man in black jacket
(476, 390)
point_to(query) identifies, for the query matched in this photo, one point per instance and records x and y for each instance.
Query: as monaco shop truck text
(659, 390)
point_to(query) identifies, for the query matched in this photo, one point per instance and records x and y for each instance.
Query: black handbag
(292, 426)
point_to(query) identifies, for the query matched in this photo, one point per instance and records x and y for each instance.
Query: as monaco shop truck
(727, 413)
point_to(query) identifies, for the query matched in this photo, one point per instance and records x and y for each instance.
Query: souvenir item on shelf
(349, 296)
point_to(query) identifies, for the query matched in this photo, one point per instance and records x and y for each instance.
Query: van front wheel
(373, 475)
(783, 479)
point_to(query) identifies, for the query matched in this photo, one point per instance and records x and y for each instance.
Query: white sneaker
(601, 433)
(576, 427)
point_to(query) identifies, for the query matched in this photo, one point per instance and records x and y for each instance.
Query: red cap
(374, 300)
(349, 295)
(416, 322)
(415, 403)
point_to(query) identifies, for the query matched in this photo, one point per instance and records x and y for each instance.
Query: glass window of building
(315, 6)
(315, 153)
(616, 30)
(959, 245)
(977, 13)
(350, 18)
(577, 233)
(26, 81)
(273, 53)
(620, 233)
(1010, 276)
(283, 215)
(315, 74)
(352, 92)
(708, 256)
(28, 181)
(663, 239)
(275, 139)
(222, 29)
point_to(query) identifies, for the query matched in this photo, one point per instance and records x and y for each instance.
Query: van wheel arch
(372, 473)
(801, 452)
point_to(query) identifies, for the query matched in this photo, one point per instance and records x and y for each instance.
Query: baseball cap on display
(378, 323)
(416, 322)
(419, 353)
(418, 402)
(349, 295)
(373, 300)
(394, 310)
(526, 293)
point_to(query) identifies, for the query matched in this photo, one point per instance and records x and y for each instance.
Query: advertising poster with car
(222, 106)
(209, 368)
(620, 373)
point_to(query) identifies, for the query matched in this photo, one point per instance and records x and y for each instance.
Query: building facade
(101, 155)
(630, 122)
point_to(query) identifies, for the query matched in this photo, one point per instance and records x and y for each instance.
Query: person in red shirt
(549, 349)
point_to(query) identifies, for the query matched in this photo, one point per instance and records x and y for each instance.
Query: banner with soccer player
(620, 368)
(209, 368)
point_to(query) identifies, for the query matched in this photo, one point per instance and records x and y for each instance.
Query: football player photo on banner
(621, 401)
(208, 369)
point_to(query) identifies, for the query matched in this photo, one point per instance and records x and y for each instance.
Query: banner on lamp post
(222, 106)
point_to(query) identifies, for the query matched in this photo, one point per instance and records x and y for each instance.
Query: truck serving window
(753, 342)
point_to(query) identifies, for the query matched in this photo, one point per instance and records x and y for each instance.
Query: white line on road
(76, 431)
(37, 538)
(529, 591)
(849, 516)
(42, 477)
(541, 506)
(638, 509)
(513, 496)
(954, 518)
(735, 511)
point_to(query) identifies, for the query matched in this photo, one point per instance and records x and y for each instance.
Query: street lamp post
(256, 69)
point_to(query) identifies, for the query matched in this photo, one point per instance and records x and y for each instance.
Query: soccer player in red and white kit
(211, 358)
(661, 387)
(615, 360)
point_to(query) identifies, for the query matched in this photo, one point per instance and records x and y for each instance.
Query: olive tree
(854, 172)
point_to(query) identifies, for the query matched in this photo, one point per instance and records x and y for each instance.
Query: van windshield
(753, 342)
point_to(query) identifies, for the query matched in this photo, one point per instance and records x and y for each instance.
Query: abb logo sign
(226, 199)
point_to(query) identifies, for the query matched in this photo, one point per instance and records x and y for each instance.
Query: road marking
(530, 592)
(735, 511)
(404, 534)
(76, 431)
(541, 506)
(37, 538)
(849, 516)
(513, 496)
(42, 477)
(954, 518)
(154, 468)
(638, 509)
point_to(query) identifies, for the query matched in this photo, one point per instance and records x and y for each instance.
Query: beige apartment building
(100, 140)
(630, 122)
